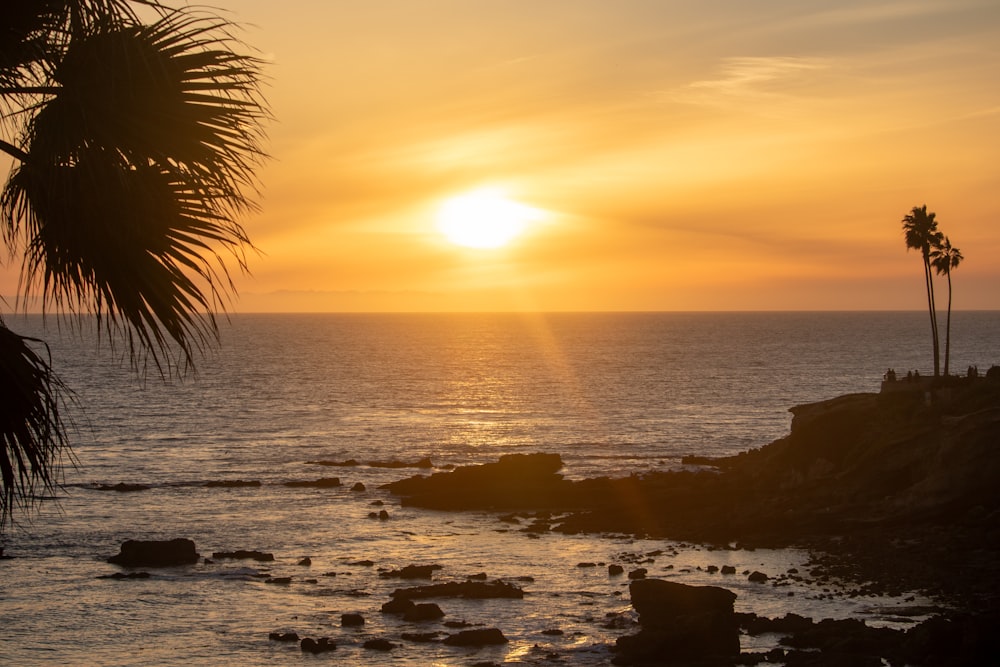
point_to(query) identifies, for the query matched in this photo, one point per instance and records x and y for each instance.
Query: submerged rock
(122, 575)
(243, 554)
(156, 553)
(480, 590)
(122, 487)
(232, 483)
(322, 483)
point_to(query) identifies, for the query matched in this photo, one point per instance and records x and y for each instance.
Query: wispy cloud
(749, 80)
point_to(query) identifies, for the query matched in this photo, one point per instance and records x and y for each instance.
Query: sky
(711, 155)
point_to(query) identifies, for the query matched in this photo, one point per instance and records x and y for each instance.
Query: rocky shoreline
(896, 490)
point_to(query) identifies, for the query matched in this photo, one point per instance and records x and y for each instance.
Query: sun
(484, 218)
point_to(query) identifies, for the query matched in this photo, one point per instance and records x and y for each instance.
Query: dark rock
(712, 569)
(515, 481)
(554, 632)
(352, 620)
(639, 573)
(422, 637)
(122, 575)
(615, 570)
(728, 569)
(283, 636)
(586, 564)
(358, 486)
(122, 487)
(343, 464)
(757, 577)
(427, 611)
(466, 589)
(383, 515)
(306, 561)
(680, 624)
(363, 563)
(788, 624)
(316, 646)
(322, 483)
(484, 637)
(231, 483)
(156, 553)
(398, 606)
(243, 554)
(422, 463)
(412, 572)
(379, 645)
(479, 576)
(455, 625)
(278, 580)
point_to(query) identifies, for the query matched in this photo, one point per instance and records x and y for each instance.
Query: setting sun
(484, 219)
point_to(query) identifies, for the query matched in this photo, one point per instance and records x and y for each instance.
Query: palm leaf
(134, 174)
(32, 437)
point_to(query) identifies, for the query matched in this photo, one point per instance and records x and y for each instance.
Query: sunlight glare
(484, 218)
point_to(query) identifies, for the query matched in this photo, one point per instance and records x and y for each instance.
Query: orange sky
(688, 156)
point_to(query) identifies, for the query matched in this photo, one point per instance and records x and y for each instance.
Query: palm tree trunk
(947, 329)
(932, 309)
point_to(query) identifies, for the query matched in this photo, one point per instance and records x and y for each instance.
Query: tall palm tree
(921, 233)
(944, 258)
(134, 145)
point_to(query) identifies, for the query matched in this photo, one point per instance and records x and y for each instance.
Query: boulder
(398, 606)
(315, 646)
(484, 637)
(680, 624)
(426, 611)
(352, 620)
(156, 553)
(379, 645)
(412, 572)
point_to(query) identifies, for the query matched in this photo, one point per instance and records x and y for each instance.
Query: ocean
(614, 394)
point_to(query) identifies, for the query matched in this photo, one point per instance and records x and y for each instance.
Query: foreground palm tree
(133, 147)
(921, 233)
(944, 258)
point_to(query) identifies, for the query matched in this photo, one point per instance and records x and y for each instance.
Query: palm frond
(32, 436)
(135, 174)
(129, 244)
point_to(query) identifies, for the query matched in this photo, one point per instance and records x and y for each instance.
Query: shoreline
(887, 489)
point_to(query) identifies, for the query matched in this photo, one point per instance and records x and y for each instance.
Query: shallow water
(614, 394)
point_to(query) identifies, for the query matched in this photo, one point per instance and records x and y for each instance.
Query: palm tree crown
(135, 146)
(921, 233)
(944, 257)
